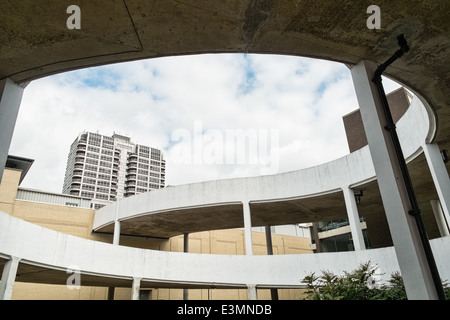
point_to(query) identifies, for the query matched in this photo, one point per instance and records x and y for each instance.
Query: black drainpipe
(415, 211)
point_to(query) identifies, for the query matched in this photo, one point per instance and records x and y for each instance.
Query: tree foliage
(360, 284)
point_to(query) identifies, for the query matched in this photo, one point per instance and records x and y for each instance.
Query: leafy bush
(360, 284)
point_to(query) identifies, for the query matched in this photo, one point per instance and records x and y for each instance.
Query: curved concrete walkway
(218, 204)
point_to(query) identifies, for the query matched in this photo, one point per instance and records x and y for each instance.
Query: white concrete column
(353, 218)
(442, 223)
(248, 228)
(10, 98)
(440, 176)
(116, 237)
(409, 250)
(136, 287)
(8, 278)
(252, 292)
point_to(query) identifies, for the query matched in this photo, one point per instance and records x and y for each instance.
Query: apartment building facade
(107, 168)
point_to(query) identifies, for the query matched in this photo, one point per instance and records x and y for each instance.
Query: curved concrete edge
(414, 128)
(54, 250)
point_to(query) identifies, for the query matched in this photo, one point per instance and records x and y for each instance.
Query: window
(157, 169)
(101, 196)
(94, 149)
(89, 180)
(103, 183)
(142, 184)
(104, 170)
(88, 187)
(107, 152)
(92, 161)
(92, 155)
(143, 166)
(90, 174)
(105, 164)
(87, 194)
(103, 190)
(89, 167)
(104, 176)
(140, 171)
(143, 178)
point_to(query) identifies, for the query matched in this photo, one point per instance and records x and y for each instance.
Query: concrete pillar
(273, 292)
(248, 228)
(111, 293)
(353, 218)
(440, 176)
(116, 241)
(409, 249)
(442, 223)
(269, 241)
(252, 292)
(186, 249)
(116, 237)
(136, 287)
(8, 278)
(10, 98)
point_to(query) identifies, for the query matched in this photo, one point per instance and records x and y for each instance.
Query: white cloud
(302, 100)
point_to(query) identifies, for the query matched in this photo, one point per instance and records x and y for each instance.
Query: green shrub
(360, 284)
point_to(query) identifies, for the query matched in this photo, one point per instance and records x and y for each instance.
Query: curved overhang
(47, 256)
(301, 196)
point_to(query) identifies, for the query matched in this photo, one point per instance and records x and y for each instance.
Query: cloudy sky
(214, 116)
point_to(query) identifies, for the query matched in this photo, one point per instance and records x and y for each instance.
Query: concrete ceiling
(176, 222)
